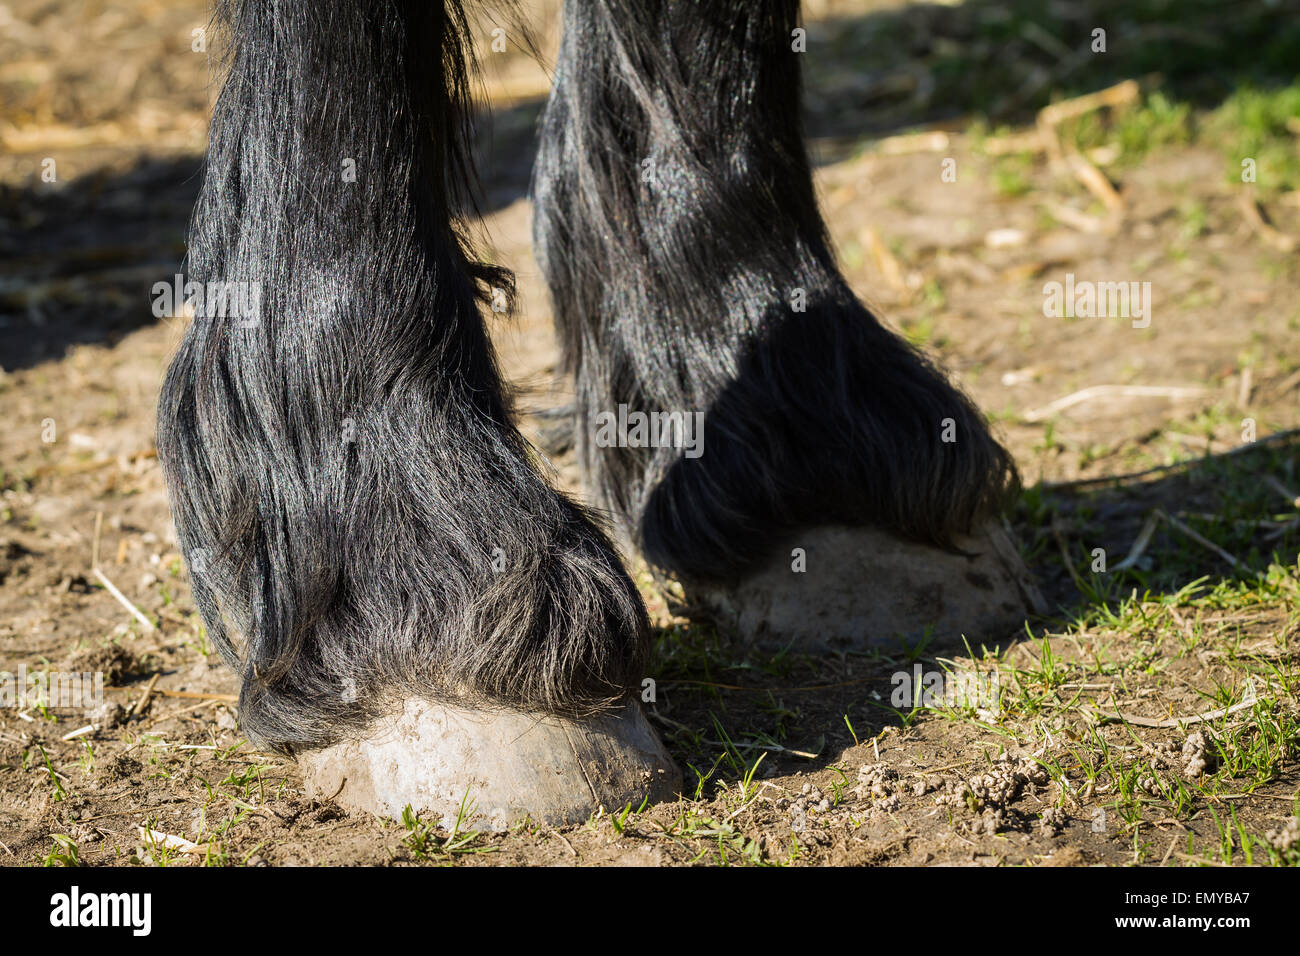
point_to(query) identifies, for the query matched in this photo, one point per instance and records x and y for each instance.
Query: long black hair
(361, 518)
(690, 270)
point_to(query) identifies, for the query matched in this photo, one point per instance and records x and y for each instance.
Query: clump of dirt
(1197, 754)
(113, 660)
(880, 783)
(119, 766)
(988, 796)
(810, 802)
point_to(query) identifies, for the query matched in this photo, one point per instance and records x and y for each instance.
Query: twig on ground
(1051, 116)
(1095, 181)
(1290, 496)
(122, 599)
(1139, 545)
(560, 836)
(1169, 722)
(1201, 540)
(109, 586)
(156, 838)
(139, 706)
(1261, 227)
(1105, 391)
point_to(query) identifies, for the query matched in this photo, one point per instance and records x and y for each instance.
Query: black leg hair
(361, 518)
(677, 226)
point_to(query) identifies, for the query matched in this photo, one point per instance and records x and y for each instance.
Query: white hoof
(512, 765)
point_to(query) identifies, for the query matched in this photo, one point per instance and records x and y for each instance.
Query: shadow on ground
(1219, 523)
(78, 260)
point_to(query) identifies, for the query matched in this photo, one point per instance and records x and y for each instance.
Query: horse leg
(411, 609)
(801, 469)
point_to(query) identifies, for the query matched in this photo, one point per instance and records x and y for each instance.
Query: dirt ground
(1150, 718)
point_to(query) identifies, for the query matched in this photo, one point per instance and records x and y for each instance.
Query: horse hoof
(861, 588)
(504, 764)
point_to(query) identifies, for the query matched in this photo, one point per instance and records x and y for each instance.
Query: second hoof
(839, 588)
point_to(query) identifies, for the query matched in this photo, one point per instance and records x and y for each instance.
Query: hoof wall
(862, 588)
(551, 770)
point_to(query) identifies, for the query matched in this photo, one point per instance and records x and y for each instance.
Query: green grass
(1253, 122)
(425, 843)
